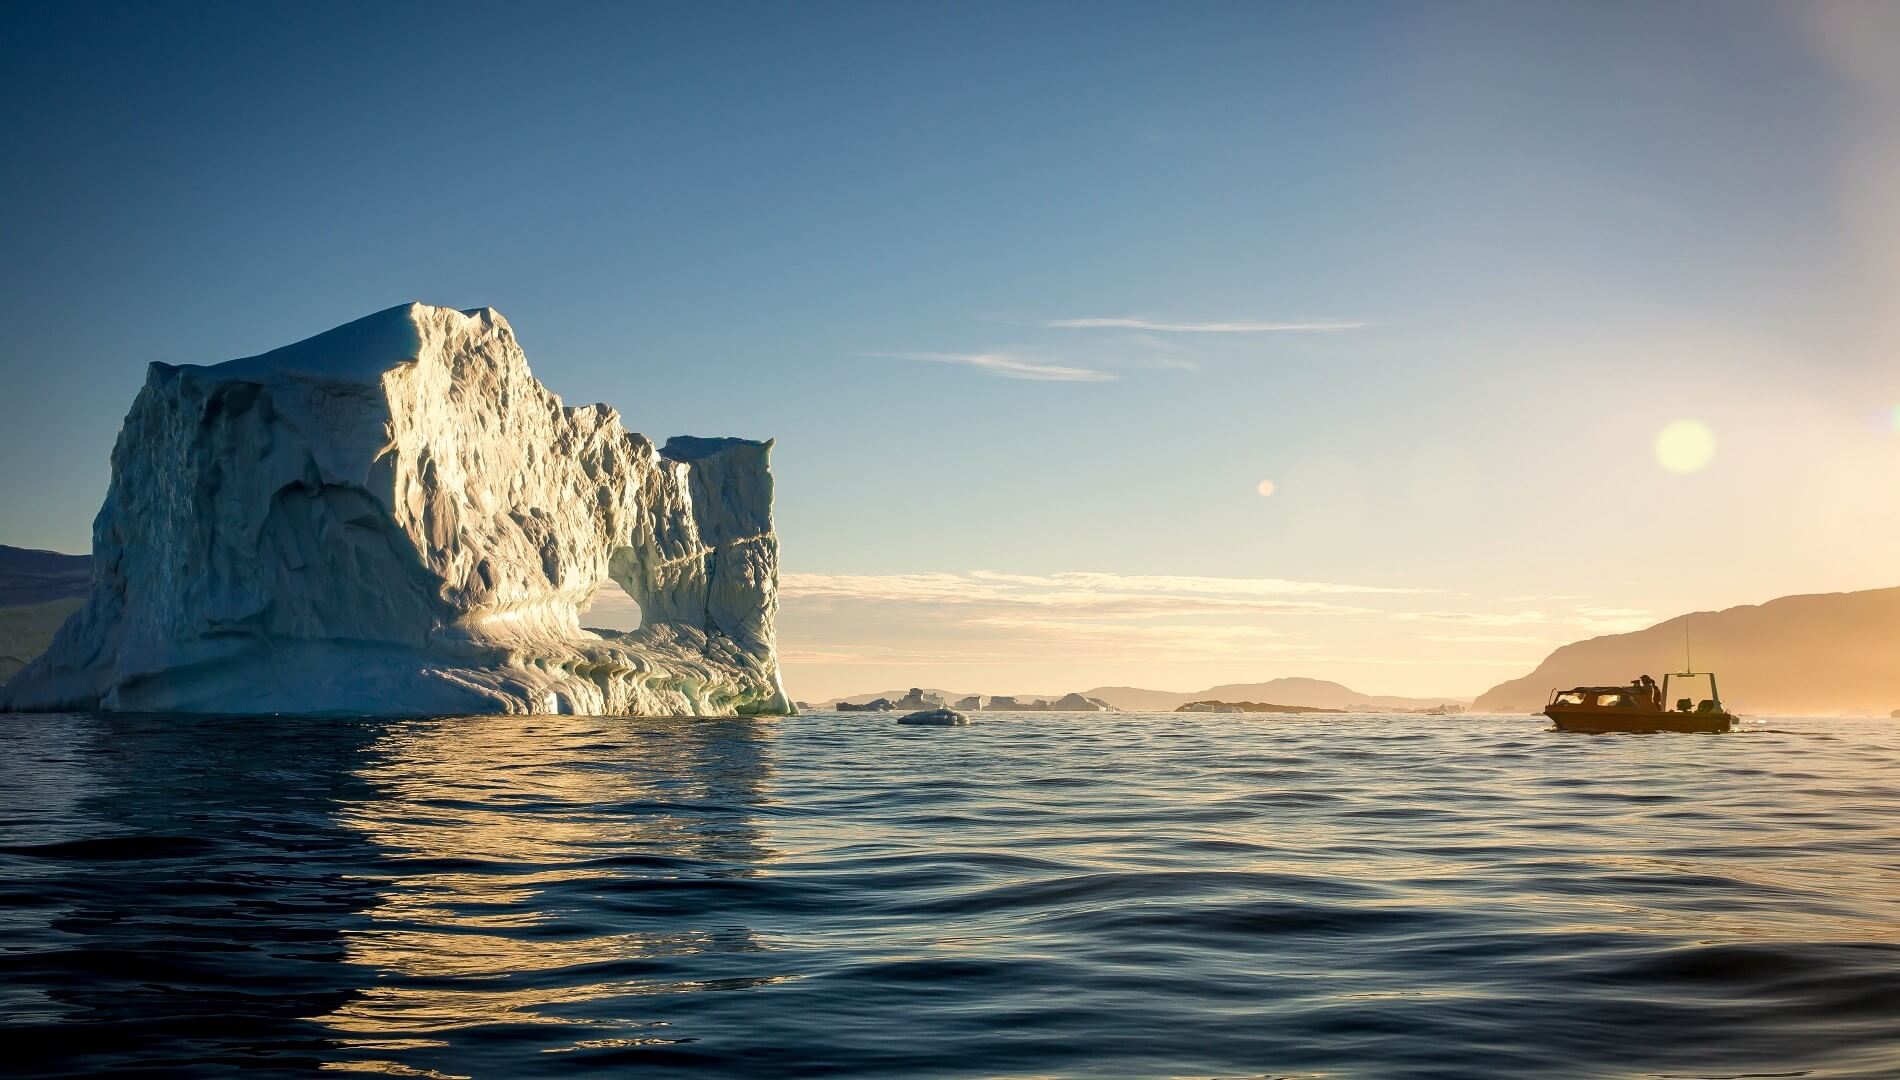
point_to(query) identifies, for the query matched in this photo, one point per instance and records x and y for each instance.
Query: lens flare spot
(1265, 487)
(1685, 446)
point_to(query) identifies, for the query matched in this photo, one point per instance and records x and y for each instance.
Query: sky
(1160, 345)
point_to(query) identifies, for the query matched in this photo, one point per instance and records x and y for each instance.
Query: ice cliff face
(396, 518)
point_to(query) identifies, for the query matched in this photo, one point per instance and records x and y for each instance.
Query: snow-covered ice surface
(396, 518)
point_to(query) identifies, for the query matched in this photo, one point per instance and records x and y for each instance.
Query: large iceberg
(396, 518)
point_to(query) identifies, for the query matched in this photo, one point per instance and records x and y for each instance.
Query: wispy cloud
(1477, 618)
(1488, 639)
(1145, 638)
(1238, 326)
(1537, 598)
(1093, 595)
(1587, 618)
(1153, 583)
(1005, 365)
(849, 653)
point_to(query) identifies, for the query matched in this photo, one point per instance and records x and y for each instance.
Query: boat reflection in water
(1639, 707)
(530, 878)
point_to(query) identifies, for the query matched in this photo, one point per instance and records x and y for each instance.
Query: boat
(1639, 707)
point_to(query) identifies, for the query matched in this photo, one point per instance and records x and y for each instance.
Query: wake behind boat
(1639, 707)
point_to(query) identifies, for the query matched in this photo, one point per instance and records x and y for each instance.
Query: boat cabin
(1638, 706)
(1598, 697)
(1643, 694)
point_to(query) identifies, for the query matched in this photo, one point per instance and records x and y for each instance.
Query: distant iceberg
(396, 518)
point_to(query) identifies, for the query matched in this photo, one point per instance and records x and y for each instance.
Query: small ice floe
(935, 718)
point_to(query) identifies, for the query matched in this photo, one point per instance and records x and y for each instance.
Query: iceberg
(396, 518)
(938, 717)
(919, 700)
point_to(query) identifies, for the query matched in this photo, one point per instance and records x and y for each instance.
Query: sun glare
(1685, 446)
(1265, 487)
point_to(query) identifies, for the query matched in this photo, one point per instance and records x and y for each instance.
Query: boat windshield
(1569, 697)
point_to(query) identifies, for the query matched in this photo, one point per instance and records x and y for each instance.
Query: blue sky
(1534, 235)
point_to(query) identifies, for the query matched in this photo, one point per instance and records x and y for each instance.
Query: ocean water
(1035, 895)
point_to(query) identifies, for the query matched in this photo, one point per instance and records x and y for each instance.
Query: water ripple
(1038, 895)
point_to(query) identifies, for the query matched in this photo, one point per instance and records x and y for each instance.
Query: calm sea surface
(1035, 895)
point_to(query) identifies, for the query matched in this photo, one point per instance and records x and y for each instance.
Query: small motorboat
(1639, 707)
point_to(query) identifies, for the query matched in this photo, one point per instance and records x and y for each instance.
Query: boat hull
(1633, 721)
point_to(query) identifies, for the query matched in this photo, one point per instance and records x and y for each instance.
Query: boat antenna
(1687, 666)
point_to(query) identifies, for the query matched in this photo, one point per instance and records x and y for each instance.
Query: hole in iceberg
(612, 609)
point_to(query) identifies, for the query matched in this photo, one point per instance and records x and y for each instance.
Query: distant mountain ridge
(26, 630)
(32, 576)
(1306, 693)
(1311, 693)
(1817, 653)
(38, 590)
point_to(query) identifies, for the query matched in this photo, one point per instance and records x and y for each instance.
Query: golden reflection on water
(482, 821)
